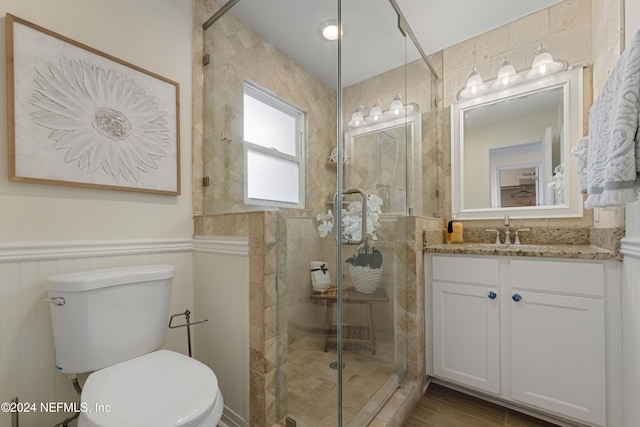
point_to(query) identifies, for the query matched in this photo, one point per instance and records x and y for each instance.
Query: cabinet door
(466, 322)
(558, 354)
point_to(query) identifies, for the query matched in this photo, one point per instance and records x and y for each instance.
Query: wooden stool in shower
(350, 296)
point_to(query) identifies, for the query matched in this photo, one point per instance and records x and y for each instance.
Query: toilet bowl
(159, 389)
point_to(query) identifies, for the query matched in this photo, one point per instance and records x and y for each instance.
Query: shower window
(273, 148)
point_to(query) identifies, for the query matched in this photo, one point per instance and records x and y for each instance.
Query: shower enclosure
(330, 137)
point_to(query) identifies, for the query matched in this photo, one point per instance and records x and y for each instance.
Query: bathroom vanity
(538, 327)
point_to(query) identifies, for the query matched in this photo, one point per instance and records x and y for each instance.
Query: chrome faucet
(507, 240)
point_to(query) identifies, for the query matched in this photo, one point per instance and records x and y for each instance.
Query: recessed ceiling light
(329, 30)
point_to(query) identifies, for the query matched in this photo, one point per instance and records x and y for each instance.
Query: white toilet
(111, 322)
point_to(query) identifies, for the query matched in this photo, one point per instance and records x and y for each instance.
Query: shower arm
(363, 221)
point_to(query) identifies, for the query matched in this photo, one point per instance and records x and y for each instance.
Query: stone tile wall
(238, 54)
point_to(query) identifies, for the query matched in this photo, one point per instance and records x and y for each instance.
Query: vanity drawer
(484, 271)
(577, 278)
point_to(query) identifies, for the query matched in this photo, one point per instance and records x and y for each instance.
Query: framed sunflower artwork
(83, 118)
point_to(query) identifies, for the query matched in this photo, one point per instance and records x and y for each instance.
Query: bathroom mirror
(386, 146)
(511, 150)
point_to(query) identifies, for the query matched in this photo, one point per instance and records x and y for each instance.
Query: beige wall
(154, 35)
(608, 43)
(47, 229)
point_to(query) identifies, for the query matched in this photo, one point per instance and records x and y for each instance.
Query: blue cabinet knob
(492, 295)
(516, 297)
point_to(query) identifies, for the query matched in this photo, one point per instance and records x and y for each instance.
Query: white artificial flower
(325, 228)
(352, 220)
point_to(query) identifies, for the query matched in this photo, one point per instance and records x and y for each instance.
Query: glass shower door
(334, 339)
(378, 121)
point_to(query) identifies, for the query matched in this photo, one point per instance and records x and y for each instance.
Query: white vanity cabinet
(542, 333)
(467, 314)
(558, 337)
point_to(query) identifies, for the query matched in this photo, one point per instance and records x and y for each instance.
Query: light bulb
(475, 85)
(396, 106)
(507, 76)
(328, 30)
(544, 64)
(376, 111)
(357, 118)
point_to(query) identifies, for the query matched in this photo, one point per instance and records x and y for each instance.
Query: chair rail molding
(34, 251)
(227, 245)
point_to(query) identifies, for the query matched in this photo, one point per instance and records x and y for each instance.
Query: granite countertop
(549, 251)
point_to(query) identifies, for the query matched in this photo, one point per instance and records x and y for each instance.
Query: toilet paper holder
(188, 323)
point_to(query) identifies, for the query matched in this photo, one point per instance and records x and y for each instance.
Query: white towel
(320, 278)
(613, 158)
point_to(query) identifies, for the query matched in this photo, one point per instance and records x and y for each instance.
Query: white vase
(365, 279)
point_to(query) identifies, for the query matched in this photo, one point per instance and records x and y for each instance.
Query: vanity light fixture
(396, 110)
(544, 64)
(507, 76)
(329, 30)
(475, 85)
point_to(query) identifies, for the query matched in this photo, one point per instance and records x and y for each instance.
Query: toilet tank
(102, 317)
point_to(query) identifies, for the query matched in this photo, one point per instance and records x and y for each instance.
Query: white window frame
(299, 116)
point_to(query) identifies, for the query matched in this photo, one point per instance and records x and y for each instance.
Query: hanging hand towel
(614, 143)
(320, 278)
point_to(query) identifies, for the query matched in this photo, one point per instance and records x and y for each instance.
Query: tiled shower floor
(312, 386)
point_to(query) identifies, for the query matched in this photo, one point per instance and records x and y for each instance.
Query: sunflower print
(99, 118)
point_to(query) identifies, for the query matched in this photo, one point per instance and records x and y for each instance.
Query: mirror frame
(413, 121)
(571, 83)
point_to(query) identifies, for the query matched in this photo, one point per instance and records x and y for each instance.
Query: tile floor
(312, 384)
(443, 407)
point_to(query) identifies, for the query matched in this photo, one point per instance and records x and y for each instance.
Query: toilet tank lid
(96, 279)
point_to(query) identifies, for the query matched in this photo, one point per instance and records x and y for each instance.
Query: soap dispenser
(455, 231)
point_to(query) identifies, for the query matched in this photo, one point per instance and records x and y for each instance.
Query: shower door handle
(363, 216)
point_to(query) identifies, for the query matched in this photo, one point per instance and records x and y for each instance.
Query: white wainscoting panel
(221, 282)
(630, 247)
(27, 355)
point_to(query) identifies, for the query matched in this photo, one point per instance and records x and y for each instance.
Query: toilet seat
(159, 389)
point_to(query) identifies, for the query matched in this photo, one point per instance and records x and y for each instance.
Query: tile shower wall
(27, 355)
(238, 54)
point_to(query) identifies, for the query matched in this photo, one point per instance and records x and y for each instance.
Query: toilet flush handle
(55, 301)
